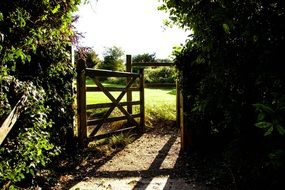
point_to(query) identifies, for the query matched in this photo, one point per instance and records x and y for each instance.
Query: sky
(134, 25)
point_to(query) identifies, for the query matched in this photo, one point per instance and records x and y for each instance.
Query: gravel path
(150, 162)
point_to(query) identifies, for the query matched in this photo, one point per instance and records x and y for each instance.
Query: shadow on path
(139, 166)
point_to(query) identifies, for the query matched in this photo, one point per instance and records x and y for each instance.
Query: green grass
(160, 103)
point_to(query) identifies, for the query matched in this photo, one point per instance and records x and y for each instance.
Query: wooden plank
(129, 93)
(178, 116)
(74, 95)
(111, 119)
(12, 118)
(110, 89)
(81, 103)
(142, 106)
(107, 73)
(152, 64)
(106, 105)
(97, 137)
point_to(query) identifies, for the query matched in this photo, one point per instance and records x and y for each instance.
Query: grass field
(160, 103)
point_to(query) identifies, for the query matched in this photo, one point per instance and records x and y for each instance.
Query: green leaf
(263, 108)
(55, 10)
(1, 16)
(32, 172)
(263, 125)
(226, 28)
(269, 131)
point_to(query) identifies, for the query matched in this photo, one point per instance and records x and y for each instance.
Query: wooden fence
(87, 136)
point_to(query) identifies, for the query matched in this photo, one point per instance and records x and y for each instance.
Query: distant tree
(146, 57)
(89, 55)
(112, 59)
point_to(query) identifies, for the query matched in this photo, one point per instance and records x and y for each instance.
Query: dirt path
(150, 162)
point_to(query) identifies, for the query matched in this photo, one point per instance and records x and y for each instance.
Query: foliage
(233, 83)
(112, 59)
(28, 147)
(155, 74)
(88, 55)
(160, 75)
(144, 58)
(36, 49)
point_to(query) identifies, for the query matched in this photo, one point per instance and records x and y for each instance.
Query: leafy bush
(28, 146)
(116, 80)
(160, 75)
(35, 50)
(233, 84)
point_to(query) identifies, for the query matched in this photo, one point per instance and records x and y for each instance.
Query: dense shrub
(36, 52)
(233, 82)
(117, 80)
(160, 75)
(28, 146)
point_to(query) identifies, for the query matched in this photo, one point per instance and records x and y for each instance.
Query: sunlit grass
(159, 102)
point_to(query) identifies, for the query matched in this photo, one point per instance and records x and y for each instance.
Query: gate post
(186, 132)
(178, 105)
(81, 103)
(129, 93)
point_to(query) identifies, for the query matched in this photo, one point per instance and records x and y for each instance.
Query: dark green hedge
(36, 36)
(234, 84)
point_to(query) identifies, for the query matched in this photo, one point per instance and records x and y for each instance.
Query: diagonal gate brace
(115, 104)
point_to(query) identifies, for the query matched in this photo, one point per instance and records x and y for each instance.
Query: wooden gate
(94, 74)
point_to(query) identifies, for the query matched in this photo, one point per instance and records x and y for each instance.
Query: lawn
(159, 102)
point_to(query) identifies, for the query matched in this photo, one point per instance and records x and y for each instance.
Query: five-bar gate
(96, 124)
